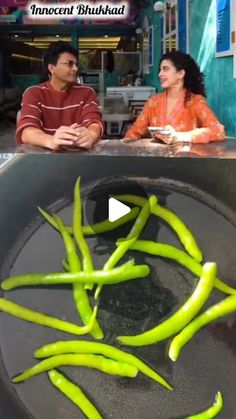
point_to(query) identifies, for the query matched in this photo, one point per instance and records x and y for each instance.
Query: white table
(131, 92)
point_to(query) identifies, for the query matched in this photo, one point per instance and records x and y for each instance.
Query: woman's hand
(168, 135)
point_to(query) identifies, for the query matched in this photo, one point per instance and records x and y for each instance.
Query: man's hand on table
(87, 136)
(74, 136)
(64, 136)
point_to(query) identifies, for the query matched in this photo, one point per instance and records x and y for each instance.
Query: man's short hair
(55, 50)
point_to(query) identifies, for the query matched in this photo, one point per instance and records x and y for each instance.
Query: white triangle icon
(116, 209)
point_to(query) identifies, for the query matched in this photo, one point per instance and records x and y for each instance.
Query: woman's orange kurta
(195, 115)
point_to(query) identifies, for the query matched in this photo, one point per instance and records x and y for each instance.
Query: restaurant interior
(109, 60)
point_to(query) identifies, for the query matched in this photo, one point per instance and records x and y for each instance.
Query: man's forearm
(36, 136)
(96, 130)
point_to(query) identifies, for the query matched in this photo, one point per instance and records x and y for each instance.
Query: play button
(117, 209)
(109, 216)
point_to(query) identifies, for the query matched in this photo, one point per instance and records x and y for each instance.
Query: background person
(181, 109)
(60, 112)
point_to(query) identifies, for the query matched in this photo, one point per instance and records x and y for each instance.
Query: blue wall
(220, 84)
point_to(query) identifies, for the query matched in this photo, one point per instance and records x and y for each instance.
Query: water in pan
(206, 364)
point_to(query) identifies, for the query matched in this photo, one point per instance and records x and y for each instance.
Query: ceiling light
(159, 7)
(25, 57)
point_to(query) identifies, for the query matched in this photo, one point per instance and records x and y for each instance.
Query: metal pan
(202, 193)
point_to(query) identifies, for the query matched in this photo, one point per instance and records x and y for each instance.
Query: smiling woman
(181, 110)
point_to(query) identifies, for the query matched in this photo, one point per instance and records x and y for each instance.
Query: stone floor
(7, 133)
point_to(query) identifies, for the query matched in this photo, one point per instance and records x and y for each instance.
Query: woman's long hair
(193, 79)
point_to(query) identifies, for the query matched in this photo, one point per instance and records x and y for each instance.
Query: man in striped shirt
(60, 112)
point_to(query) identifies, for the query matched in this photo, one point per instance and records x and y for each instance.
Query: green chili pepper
(130, 262)
(73, 263)
(184, 234)
(44, 320)
(172, 252)
(113, 276)
(227, 306)
(78, 233)
(65, 265)
(134, 233)
(97, 228)
(182, 316)
(79, 293)
(213, 411)
(75, 394)
(82, 346)
(83, 360)
(222, 286)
